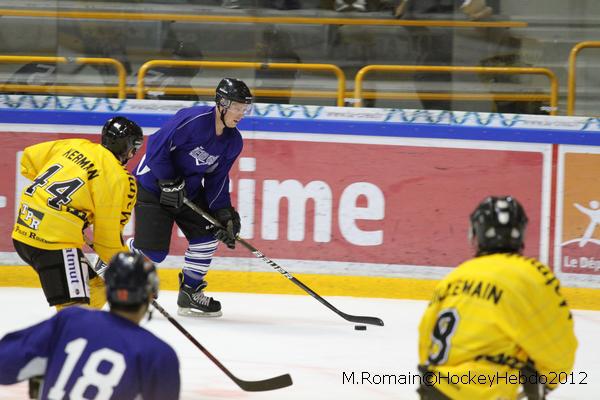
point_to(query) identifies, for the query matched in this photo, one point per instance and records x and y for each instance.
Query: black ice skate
(193, 302)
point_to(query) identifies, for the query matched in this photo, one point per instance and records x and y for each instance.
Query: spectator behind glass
(437, 46)
(176, 48)
(474, 9)
(276, 46)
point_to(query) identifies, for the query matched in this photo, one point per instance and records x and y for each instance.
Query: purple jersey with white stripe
(187, 146)
(91, 354)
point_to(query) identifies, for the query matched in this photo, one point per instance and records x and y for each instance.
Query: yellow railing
(571, 84)
(340, 94)
(120, 89)
(337, 71)
(552, 98)
(253, 19)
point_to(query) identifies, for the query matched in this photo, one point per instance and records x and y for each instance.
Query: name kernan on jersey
(82, 161)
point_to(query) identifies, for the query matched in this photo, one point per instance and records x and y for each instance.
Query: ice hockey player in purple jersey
(191, 156)
(92, 354)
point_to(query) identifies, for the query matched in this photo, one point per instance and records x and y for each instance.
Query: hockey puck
(360, 327)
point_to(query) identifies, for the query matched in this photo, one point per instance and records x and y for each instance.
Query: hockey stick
(278, 268)
(277, 382)
(274, 383)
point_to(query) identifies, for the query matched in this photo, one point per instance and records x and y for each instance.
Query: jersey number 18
(90, 376)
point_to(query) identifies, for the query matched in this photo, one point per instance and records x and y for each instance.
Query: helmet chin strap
(223, 112)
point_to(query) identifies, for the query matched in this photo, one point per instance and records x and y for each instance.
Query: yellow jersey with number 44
(75, 183)
(486, 319)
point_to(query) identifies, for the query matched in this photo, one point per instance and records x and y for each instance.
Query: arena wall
(367, 202)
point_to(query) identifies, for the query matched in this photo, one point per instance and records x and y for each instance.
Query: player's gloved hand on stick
(230, 220)
(172, 192)
(533, 388)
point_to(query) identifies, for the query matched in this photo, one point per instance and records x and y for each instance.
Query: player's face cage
(239, 108)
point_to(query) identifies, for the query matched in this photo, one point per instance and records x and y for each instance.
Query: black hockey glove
(230, 220)
(533, 388)
(172, 192)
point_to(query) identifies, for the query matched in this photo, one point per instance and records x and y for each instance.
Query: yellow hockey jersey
(76, 183)
(486, 319)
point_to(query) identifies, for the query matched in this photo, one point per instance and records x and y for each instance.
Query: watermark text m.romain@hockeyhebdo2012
(469, 378)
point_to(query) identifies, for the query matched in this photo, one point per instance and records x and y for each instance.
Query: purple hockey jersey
(187, 146)
(91, 354)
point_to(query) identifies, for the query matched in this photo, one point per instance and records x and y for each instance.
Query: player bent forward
(76, 183)
(498, 315)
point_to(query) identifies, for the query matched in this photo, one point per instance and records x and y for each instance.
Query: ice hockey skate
(193, 302)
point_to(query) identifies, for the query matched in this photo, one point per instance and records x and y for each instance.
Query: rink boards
(367, 192)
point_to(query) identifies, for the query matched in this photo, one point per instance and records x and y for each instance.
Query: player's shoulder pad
(72, 311)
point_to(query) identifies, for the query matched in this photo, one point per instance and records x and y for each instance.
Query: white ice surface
(260, 336)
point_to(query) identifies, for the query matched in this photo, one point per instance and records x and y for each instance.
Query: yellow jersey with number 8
(486, 319)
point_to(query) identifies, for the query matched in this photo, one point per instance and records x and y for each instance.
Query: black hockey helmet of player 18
(498, 225)
(232, 90)
(131, 280)
(122, 137)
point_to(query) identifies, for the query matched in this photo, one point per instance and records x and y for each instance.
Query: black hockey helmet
(231, 89)
(498, 225)
(121, 135)
(130, 280)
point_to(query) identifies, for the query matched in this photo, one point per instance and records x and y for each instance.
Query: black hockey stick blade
(264, 385)
(278, 268)
(362, 319)
(348, 317)
(274, 383)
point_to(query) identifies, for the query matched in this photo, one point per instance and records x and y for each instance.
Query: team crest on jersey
(202, 157)
(29, 217)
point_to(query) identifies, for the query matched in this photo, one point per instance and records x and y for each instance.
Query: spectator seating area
(514, 35)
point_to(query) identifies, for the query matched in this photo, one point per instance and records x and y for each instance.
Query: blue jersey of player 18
(187, 146)
(91, 354)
